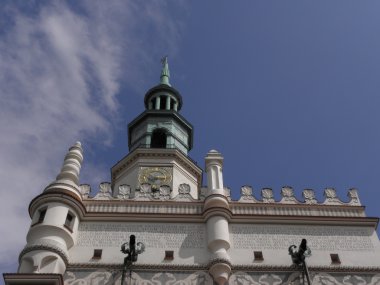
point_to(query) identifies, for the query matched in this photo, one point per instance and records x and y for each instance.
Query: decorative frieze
(196, 274)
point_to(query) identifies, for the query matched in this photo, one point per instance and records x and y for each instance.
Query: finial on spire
(165, 74)
(72, 164)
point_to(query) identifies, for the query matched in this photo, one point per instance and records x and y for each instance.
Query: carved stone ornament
(330, 193)
(104, 191)
(164, 192)
(203, 193)
(287, 194)
(184, 193)
(124, 192)
(267, 195)
(227, 193)
(354, 197)
(145, 188)
(247, 194)
(309, 196)
(84, 190)
(331, 197)
(184, 189)
(246, 191)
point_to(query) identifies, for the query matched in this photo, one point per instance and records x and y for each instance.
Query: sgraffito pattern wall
(113, 277)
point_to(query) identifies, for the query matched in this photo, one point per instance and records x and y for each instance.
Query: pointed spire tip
(165, 74)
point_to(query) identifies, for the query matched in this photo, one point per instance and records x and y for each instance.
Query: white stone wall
(187, 240)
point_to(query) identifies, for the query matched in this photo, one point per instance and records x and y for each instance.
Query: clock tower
(159, 139)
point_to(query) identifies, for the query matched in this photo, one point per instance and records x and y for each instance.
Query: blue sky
(287, 91)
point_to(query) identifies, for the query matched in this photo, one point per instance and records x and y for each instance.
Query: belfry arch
(158, 139)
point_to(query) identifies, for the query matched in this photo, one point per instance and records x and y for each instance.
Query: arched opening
(158, 139)
(48, 264)
(163, 103)
(26, 265)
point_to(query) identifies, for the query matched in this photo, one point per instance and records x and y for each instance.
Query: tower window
(158, 139)
(41, 215)
(69, 222)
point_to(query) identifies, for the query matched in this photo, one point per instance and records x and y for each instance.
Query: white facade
(192, 234)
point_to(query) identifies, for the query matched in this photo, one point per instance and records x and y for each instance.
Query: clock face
(156, 176)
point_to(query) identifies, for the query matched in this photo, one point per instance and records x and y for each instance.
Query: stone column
(168, 103)
(217, 213)
(158, 102)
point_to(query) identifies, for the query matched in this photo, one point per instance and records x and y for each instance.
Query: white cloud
(60, 72)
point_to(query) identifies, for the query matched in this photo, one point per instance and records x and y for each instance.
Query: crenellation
(288, 196)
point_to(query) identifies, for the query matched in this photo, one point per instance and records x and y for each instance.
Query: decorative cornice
(45, 246)
(235, 267)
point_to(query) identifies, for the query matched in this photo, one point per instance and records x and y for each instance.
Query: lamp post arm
(306, 270)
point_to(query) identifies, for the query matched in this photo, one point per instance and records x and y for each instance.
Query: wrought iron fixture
(299, 258)
(132, 250)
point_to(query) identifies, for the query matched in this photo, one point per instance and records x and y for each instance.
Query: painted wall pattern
(113, 277)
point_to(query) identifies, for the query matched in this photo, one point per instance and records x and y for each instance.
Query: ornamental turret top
(163, 96)
(161, 126)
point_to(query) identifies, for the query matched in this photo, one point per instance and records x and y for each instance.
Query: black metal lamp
(132, 250)
(299, 256)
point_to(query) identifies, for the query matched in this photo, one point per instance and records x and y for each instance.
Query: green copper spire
(165, 74)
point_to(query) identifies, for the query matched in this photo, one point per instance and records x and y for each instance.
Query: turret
(217, 213)
(55, 218)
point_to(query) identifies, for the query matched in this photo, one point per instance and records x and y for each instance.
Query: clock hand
(163, 177)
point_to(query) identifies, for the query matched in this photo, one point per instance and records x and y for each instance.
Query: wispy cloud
(60, 72)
